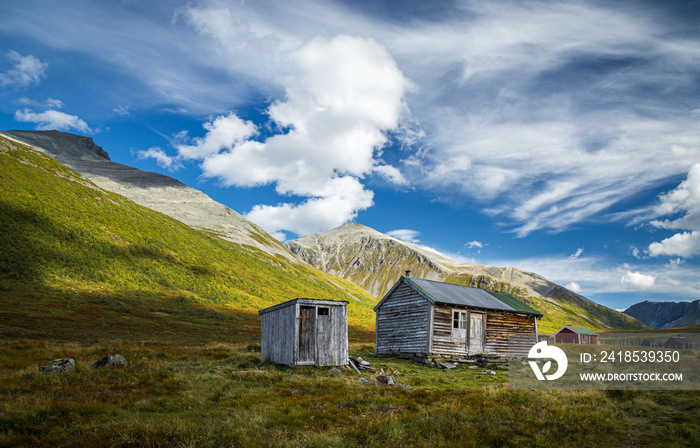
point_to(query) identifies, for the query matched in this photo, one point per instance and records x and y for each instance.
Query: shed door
(307, 339)
(476, 333)
(324, 337)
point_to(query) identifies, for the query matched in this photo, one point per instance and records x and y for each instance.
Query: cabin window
(459, 324)
(323, 311)
(459, 320)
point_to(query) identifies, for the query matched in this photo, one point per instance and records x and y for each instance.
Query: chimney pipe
(408, 272)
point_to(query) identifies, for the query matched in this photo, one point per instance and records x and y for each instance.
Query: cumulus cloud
(683, 200)
(573, 286)
(473, 244)
(162, 159)
(342, 97)
(685, 244)
(637, 281)
(338, 202)
(26, 71)
(53, 119)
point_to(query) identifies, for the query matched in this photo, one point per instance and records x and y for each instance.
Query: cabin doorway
(476, 333)
(307, 335)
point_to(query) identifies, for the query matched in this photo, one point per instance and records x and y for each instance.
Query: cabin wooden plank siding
(305, 332)
(432, 320)
(402, 323)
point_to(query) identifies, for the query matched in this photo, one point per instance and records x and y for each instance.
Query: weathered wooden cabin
(432, 320)
(304, 332)
(575, 335)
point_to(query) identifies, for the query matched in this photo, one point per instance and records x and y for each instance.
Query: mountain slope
(76, 259)
(666, 314)
(375, 261)
(151, 190)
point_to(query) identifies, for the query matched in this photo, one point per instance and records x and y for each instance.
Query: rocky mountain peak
(61, 144)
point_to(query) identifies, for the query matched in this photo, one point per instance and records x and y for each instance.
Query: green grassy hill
(79, 262)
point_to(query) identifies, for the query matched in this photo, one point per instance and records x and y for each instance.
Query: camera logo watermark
(542, 351)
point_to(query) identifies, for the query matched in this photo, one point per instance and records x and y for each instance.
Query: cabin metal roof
(449, 294)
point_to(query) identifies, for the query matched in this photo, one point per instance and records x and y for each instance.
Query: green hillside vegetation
(75, 254)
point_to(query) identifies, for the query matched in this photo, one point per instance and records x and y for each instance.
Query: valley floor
(181, 394)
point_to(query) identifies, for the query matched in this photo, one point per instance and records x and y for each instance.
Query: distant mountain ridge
(662, 315)
(375, 261)
(152, 190)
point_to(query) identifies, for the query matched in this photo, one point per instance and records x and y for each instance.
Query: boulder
(446, 365)
(62, 365)
(110, 361)
(334, 370)
(384, 381)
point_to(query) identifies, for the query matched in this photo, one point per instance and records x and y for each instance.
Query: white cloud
(577, 254)
(685, 244)
(49, 103)
(339, 201)
(532, 126)
(26, 71)
(223, 132)
(53, 119)
(636, 253)
(407, 235)
(342, 95)
(554, 111)
(685, 200)
(162, 159)
(636, 281)
(597, 275)
(122, 110)
(573, 286)
(391, 174)
(473, 244)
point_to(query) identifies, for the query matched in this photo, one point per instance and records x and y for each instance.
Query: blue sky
(557, 137)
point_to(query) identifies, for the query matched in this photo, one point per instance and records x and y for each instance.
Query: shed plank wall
(277, 340)
(403, 322)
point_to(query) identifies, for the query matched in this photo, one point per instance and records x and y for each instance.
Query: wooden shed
(575, 335)
(303, 332)
(432, 320)
(678, 342)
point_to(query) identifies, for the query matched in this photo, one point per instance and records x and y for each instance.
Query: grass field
(219, 394)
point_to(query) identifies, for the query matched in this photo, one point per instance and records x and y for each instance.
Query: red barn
(575, 335)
